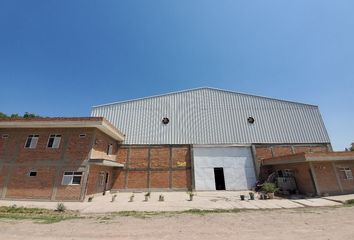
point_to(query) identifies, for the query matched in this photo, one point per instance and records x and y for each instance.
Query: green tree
(30, 115)
(16, 115)
(3, 115)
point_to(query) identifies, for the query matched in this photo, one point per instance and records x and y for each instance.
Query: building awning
(64, 122)
(105, 163)
(310, 157)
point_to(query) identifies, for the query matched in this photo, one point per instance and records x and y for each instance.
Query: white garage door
(236, 162)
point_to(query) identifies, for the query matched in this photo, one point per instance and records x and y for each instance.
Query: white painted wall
(237, 162)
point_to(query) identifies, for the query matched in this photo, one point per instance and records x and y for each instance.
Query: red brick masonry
(317, 173)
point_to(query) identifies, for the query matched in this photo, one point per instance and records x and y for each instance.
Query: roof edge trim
(200, 88)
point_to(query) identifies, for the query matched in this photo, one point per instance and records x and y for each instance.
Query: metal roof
(214, 116)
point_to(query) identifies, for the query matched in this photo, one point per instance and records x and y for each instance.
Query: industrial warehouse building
(201, 139)
(225, 136)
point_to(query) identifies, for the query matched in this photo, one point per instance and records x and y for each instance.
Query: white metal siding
(237, 162)
(212, 116)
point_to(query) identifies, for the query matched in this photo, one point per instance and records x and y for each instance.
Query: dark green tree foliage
(15, 115)
(3, 115)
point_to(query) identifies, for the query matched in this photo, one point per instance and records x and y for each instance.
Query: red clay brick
(159, 179)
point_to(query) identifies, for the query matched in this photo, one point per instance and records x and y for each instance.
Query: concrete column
(170, 167)
(126, 169)
(149, 168)
(337, 177)
(314, 178)
(11, 166)
(59, 168)
(256, 164)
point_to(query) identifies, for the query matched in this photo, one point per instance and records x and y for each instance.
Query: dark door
(101, 181)
(219, 178)
(105, 184)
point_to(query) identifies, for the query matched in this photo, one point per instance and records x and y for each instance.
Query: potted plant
(191, 195)
(114, 197)
(147, 195)
(161, 198)
(251, 195)
(242, 197)
(131, 199)
(269, 188)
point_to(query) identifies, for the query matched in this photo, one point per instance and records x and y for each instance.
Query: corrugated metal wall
(212, 116)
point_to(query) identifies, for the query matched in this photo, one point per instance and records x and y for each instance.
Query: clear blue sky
(58, 58)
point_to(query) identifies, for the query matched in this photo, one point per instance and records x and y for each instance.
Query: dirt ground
(305, 223)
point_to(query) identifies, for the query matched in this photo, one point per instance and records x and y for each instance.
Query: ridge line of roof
(200, 88)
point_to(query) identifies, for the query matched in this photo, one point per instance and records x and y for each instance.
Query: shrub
(269, 187)
(190, 193)
(60, 207)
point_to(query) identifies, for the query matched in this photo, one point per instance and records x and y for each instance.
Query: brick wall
(154, 167)
(100, 146)
(326, 178)
(50, 164)
(181, 179)
(277, 150)
(274, 150)
(302, 176)
(347, 184)
(21, 185)
(93, 183)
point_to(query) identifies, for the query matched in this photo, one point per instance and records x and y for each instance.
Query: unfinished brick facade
(317, 173)
(92, 160)
(37, 172)
(154, 167)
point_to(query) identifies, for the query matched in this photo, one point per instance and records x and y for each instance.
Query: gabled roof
(197, 89)
(214, 116)
(64, 122)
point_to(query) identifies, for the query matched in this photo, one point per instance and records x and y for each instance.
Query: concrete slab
(340, 198)
(176, 201)
(316, 202)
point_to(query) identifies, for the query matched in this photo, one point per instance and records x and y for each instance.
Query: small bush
(190, 193)
(351, 202)
(60, 207)
(161, 198)
(131, 199)
(269, 187)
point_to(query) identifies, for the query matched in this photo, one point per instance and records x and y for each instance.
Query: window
(72, 178)
(82, 135)
(5, 136)
(54, 141)
(346, 173)
(32, 141)
(32, 173)
(109, 149)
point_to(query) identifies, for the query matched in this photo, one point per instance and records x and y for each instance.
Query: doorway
(102, 182)
(219, 178)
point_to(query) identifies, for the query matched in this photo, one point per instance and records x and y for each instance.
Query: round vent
(250, 120)
(165, 120)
